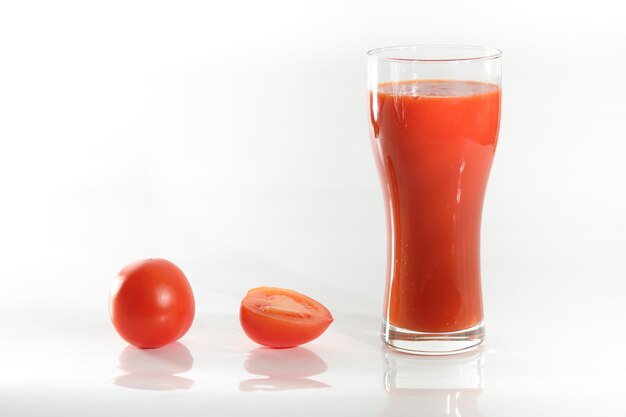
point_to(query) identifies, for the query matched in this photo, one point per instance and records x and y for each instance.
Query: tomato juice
(434, 142)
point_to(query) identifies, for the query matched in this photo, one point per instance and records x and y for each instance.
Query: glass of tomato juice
(434, 120)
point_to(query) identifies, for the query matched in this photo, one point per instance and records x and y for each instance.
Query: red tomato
(281, 318)
(151, 303)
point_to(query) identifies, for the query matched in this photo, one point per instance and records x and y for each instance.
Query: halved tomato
(281, 318)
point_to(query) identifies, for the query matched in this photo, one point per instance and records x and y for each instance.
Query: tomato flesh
(151, 303)
(281, 318)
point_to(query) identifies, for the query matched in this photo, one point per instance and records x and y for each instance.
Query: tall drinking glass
(434, 118)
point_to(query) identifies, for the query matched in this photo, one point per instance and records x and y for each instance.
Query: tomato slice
(281, 318)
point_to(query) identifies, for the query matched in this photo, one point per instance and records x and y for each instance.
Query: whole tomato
(151, 303)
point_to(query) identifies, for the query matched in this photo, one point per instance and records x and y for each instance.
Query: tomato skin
(151, 303)
(275, 329)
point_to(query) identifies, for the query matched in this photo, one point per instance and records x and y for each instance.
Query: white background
(231, 138)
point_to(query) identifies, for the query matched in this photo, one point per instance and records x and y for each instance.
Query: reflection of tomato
(281, 318)
(151, 303)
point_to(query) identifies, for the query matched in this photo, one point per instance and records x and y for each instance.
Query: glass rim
(483, 53)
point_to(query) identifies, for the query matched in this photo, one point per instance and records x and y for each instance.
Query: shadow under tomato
(155, 369)
(282, 370)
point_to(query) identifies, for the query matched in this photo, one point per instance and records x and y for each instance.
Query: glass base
(433, 344)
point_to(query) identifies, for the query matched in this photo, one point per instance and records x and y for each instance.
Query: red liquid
(433, 143)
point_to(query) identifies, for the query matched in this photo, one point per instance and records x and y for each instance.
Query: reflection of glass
(283, 369)
(434, 119)
(155, 369)
(433, 387)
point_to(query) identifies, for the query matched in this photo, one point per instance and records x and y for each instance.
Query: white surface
(231, 139)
